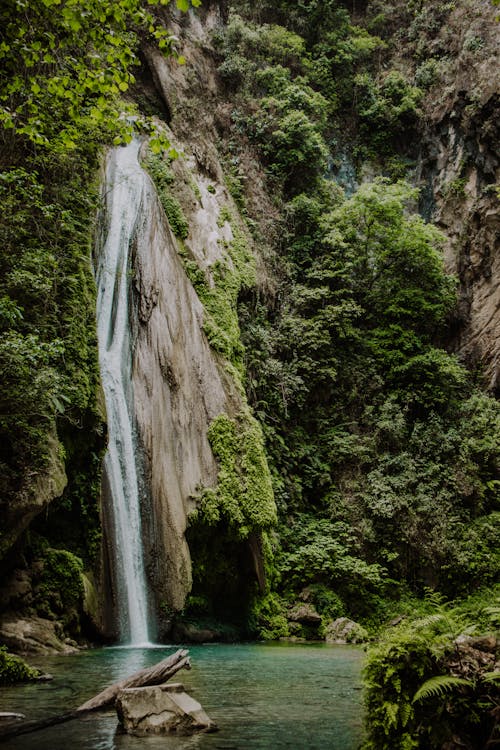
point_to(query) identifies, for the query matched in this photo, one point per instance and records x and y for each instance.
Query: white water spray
(124, 183)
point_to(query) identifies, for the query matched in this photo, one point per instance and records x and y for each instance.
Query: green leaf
(437, 686)
(182, 4)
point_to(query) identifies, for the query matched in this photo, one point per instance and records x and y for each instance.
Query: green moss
(244, 495)
(220, 300)
(60, 592)
(163, 178)
(196, 190)
(13, 669)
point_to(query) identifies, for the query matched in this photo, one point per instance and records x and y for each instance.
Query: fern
(405, 713)
(493, 614)
(491, 677)
(438, 686)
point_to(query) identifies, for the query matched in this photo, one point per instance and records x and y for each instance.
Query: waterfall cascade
(124, 185)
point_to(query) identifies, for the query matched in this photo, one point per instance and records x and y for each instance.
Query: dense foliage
(384, 452)
(430, 681)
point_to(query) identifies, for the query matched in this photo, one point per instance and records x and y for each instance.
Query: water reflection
(262, 696)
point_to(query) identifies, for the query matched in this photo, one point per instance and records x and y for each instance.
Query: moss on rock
(244, 495)
(13, 669)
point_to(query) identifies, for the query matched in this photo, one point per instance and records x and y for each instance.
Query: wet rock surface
(162, 709)
(34, 635)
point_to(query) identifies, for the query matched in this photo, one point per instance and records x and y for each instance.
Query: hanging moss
(163, 178)
(60, 590)
(229, 276)
(243, 496)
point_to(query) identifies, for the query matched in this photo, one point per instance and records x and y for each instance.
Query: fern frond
(491, 677)
(424, 622)
(437, 686)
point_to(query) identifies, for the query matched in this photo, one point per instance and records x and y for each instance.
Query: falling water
(125, 187)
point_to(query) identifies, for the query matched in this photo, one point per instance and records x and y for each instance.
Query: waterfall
(124, 185)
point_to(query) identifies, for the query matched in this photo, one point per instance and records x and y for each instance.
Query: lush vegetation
(379, 446)
(431, 681)
(384, 451)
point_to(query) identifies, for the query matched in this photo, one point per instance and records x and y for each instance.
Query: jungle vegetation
(383, 446)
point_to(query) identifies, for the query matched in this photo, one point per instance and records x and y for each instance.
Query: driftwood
(161, 672)
(154, 675)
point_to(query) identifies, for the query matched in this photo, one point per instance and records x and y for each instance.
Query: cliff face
(179, 388)
(460, 168)
(464, 170)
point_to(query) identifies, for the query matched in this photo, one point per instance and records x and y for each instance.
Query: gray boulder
(305, 614)
(343, 630)
(161, 709)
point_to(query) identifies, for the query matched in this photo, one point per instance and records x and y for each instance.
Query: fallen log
(155, 675)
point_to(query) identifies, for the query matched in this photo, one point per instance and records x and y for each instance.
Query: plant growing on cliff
(243, 497)
(65, 65)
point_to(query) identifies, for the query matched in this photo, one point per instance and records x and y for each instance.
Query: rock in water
(343, 630)
(162, 709)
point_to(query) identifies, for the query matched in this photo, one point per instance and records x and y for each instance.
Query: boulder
(305, 614)
(161, 709)
(34, 635)
(343, 630)
(186, 632)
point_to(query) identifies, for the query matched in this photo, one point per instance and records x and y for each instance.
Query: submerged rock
(161, 709)
(344, 630)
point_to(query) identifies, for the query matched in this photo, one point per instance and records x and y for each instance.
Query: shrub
(13, 669)
(409, 673)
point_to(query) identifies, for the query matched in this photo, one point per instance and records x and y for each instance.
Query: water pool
(262, 696)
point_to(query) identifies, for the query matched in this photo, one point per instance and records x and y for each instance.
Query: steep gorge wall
(179, 388)
(460, 165)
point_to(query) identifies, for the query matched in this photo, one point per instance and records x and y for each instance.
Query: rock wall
(179, 388)
(461, 171)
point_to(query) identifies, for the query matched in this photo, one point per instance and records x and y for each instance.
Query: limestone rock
(34, 635)
(344, 630)
(161, 709)
(35, 494)
(304, 613)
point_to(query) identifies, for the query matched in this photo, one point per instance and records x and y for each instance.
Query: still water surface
(262, 696)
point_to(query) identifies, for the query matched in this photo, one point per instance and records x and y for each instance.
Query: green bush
(13, 669)
(418, 693)
(267, 619)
